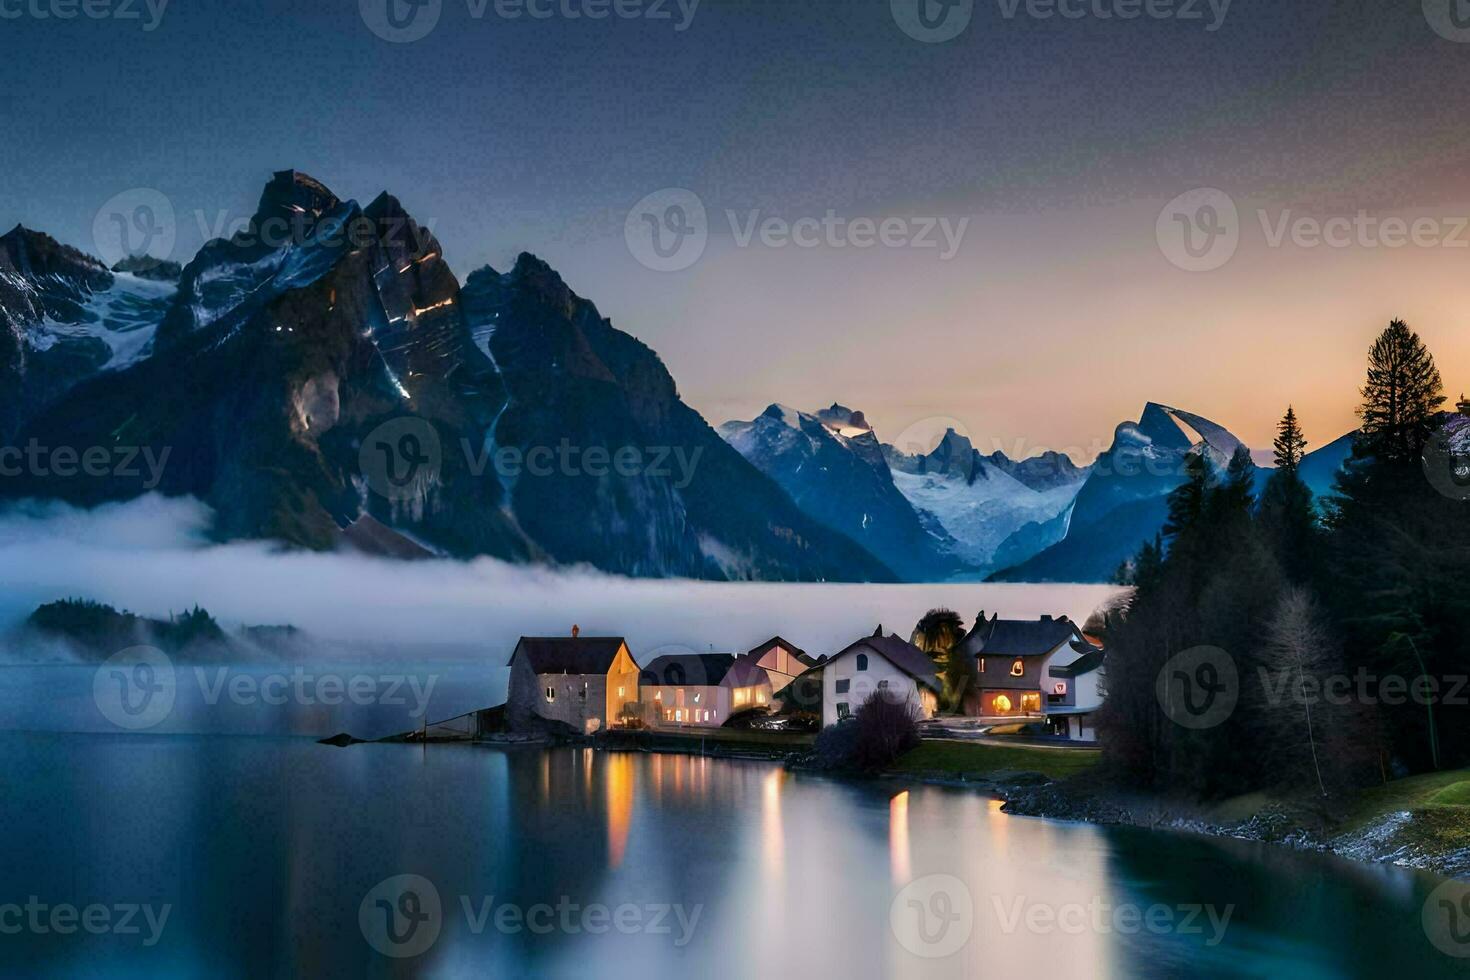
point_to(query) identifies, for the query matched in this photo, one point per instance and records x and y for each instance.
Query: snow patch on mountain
(124, 317)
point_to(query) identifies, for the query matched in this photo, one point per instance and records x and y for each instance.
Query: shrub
(887, 727)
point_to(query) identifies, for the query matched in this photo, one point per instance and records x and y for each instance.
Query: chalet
(877, 663)
(582, 681)
(782, 661)
(1012, 659)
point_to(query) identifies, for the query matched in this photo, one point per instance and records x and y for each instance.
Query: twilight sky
(1054, 143)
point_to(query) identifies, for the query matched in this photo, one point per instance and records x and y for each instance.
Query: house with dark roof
(582, 681)
(878, 663)
(701, 689)
(1012, 659)
(782, 661)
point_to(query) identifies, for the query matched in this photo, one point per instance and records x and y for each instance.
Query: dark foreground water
(261, 857)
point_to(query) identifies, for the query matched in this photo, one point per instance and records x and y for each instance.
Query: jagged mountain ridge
(277, 358)
(832, 465)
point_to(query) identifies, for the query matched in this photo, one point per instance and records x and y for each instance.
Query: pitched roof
(1084, 664)
(786, 645)
(1019, 637)
(745, 672)
(687, 669)
(899, 652)
(569, 655)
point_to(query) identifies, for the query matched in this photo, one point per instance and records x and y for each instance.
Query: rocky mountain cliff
(320, 378)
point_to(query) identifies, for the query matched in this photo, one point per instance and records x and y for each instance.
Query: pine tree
(1291, 444)
(1288, 515)
(1402, 395)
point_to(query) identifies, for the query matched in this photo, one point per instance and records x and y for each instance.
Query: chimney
(1046, 619)
(879, 630)
(576, 631)
(1464, 405)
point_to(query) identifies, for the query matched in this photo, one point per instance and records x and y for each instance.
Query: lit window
(658, 695)
(550, 694)
(760, 697)
(982, 665)
(1018, 669)
(696, 698)
(844, 685)
(622, 692)
(843, 711)
(1002, 704)
(862, 661)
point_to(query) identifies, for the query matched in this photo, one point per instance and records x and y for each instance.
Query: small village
(1038, 681)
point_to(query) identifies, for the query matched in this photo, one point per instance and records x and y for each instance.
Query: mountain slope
(1124, 501)
(282, 357)
(65, 317)
(833, 468)
(978, 501)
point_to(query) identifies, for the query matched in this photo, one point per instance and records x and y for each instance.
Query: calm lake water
(271, 855)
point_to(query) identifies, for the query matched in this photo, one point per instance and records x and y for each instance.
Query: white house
(878, 663)
(1074, 691)
(701, 690)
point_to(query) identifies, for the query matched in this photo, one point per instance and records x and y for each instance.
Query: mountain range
(286, 380)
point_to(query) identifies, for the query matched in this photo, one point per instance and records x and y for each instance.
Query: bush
(887, 728)
(836, 746)
(883, 729)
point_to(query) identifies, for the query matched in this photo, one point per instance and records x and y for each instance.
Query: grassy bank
(980, 759)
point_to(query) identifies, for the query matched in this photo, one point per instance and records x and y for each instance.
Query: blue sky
(1058, 139)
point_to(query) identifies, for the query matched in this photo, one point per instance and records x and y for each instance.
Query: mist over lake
(152, 557)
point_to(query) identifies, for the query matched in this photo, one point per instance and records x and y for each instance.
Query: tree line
(1275, 641)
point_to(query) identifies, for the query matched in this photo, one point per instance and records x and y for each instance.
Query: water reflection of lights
(898, 838)
(773, 843)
